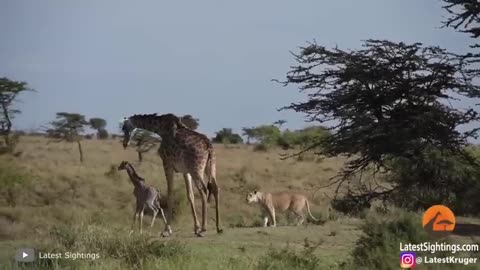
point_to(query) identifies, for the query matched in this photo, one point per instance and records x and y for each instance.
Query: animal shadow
(463, 229)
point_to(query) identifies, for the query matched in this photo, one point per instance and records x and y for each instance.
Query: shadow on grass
(464, 229)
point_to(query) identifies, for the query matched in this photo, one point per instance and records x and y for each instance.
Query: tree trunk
(80, 151)
(6, 132)
(140, 156)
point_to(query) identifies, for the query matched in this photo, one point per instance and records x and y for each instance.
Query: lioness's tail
(308, 210)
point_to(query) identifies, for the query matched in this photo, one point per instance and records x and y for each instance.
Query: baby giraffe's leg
(141, 218)
(155, 212)
(137, 211)
(134, 219)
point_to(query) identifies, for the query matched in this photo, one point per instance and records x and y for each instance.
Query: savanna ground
(58, 204)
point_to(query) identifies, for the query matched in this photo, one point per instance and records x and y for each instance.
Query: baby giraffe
(145, 195)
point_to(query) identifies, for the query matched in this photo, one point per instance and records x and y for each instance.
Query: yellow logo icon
(438, 221)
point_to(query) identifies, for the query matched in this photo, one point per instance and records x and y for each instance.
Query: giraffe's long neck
(134, 177)
(149, 125)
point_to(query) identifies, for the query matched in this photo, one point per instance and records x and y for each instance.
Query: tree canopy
(226, 135)
(463, 16)
(68, 126)
(97, 123)
(9, 91)
(190, 122)
(386, 100)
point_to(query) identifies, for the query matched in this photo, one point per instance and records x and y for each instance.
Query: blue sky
(211, 59)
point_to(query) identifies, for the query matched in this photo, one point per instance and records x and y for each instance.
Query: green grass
(62, 205)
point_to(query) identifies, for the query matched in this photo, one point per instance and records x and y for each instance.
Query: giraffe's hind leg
(141, 219)
(155, 212)
(197, 178)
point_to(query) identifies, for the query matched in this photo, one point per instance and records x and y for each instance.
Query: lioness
(280, 201)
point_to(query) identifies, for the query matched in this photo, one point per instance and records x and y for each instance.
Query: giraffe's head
(123, 165)
(127, 127)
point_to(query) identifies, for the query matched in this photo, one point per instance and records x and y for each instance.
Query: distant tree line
(270, 135)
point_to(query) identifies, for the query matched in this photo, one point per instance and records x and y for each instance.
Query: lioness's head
(253, 196)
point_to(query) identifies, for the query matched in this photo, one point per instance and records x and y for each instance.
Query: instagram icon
(407, 260)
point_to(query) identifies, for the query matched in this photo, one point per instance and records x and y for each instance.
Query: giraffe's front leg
(191, 200)
(169, 176)
(137, 211)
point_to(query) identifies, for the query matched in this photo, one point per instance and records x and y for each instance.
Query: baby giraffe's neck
(134, 177)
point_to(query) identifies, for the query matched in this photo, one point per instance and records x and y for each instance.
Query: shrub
(289, 259)
(11, 183)
(267, 134)
(378, 247)
(304, 137)
(260, 147)
(102, 134)
(13, 140)
(227, 136)
(132, 250)
(434, 178)
(113, 173)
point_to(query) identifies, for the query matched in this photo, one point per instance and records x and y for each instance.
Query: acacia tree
(99, 124)
(280, 123)
(144, 140)
(9, 91)
(464, 16)
(226, 135)
(249, 133)
(68, 127)
(384, 102)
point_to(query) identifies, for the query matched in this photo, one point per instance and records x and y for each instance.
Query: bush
(428, 178)
(227, 136)
(11, 183)
(267, 134)
(102, 134)
(133, 251)
(113, 172)
(304, 137)
(378, 247)
(435, 178)
(13, 140)
(289, 259)
(260, 147)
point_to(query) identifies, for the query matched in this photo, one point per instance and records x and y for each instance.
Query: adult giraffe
(184, 151)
